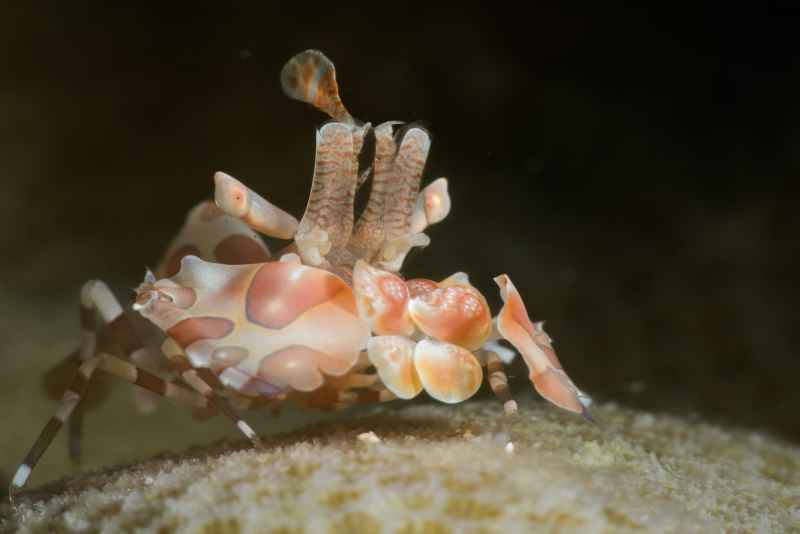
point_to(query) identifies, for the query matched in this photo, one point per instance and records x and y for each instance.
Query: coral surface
(439, 469)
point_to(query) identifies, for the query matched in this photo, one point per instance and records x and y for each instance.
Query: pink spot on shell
(240, 249)
(280, 292)
(194, 329)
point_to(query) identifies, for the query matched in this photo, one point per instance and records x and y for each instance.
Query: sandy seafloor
(438, 469)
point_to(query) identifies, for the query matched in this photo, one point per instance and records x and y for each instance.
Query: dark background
(633, 170)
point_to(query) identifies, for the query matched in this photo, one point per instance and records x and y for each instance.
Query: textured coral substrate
(439, 469)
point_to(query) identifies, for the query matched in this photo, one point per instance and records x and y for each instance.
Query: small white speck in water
(369, 437)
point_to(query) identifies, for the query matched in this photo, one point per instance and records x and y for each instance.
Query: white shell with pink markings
(212, 234)
(292, 323)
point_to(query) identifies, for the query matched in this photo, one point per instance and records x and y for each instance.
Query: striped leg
(359, 388)
(152, 383)
(372, 396)
(329, 397)
(68, 402)
(95, 298)
(193, 379)
(346, 399)
(498, 380)
(114, 325)
(56, 380)
(147, 381)
(77, 389)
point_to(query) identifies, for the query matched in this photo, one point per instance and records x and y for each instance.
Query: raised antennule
(311, 77)
(328, 220)
(408, 165)
(369, 234)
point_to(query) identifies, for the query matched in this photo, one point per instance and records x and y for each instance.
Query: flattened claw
(382, 299)
(449, 373)
(311, 77)
(393, 358)
(453, 312)
(536, 348)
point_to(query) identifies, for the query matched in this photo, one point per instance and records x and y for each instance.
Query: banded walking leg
(331, 397)
(95, 298)
(190, 375)
(498, 380)
(152, 383)
(114, 366)
(358, 388)
(58, 379)
(377, 394)
(68, 402)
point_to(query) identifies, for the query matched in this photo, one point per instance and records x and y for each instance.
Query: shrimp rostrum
(329, 321)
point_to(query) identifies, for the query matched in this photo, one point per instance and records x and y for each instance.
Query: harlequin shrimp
(327, 322)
